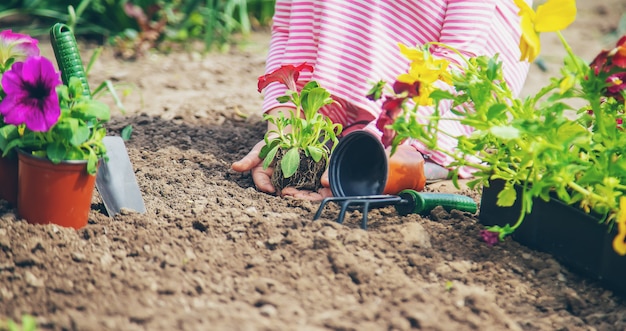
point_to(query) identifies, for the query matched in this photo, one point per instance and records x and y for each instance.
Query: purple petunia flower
(490, 237)
(17, 46)
(31, 97)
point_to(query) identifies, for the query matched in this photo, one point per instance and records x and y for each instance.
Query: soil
(213, 253)
(307, 177)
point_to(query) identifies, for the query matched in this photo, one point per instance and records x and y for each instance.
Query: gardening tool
(115, 179)
(358, 173)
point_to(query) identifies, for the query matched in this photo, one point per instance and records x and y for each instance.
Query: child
(352, 44)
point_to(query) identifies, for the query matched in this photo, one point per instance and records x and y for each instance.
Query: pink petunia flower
(31, 96)
(16, 46)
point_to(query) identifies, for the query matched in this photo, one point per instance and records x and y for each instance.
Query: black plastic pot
(573, 237)
(358, 166)
(359, 176)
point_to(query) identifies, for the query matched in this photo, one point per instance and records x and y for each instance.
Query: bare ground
(213, 253)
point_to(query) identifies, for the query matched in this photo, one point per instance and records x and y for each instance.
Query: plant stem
(594, 103)
(454, 50)
(574, 186)
(522, 214)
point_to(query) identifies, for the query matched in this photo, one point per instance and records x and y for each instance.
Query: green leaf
(507, 197)
(315, 152)
(7, 133)
(376, 92)
(290, 162)
(63, 93)
(269, 145)
(56, 152)
(315, 99)
(75, 86)
(29, 323)
(92, 163)
(72, 130)
(97, 109)
(495, 111)
(269, 155)
(12, 325)
(126, 132)
(75, 153)
(108, 85)
(505, 132)
(309, 86)
(283, 99)
(493, 68)
(440, 95)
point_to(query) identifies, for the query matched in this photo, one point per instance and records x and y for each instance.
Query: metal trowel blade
(116, 181)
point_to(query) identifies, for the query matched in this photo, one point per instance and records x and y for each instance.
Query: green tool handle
(67, 55)
(414, 202)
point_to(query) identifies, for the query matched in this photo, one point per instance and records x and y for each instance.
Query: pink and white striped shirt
(354, 43)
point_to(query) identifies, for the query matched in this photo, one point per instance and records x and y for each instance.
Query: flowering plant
(305, 132)
(541, 143)
(41, 115)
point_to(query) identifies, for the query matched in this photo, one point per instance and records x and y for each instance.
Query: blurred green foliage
(28, 324)
(134, 26)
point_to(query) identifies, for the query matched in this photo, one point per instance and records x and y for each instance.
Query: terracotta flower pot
(8, 179)
(54, 193)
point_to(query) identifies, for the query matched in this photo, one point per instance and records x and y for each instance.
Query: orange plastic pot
(406, 170)
(8, 179)
(51, 193)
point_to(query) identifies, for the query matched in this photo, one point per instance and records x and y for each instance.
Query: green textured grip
(67, 55)
(422, 203)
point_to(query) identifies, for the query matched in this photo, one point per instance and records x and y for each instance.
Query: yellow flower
(554, 15)
(618, 242)
(414, 54)
(426, 70)
(424, 99)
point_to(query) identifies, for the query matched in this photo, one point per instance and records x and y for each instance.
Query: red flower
(490, 237)
(607, 60)
(598, 64)
(392, 108)
(413, 90)
(286, 74)
(619, 53)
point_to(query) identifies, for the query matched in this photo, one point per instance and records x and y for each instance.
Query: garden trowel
(115, 180)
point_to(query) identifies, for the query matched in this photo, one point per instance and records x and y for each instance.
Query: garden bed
(214, 253)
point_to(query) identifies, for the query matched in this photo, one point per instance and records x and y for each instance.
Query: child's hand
(322, 193)
(262, 177)
(251, 162)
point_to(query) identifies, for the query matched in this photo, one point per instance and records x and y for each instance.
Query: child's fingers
(300, 194)
(306, 195)
(246, 163)
(262, 179)
(249, 161)
(324, 180)
(325, 192)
